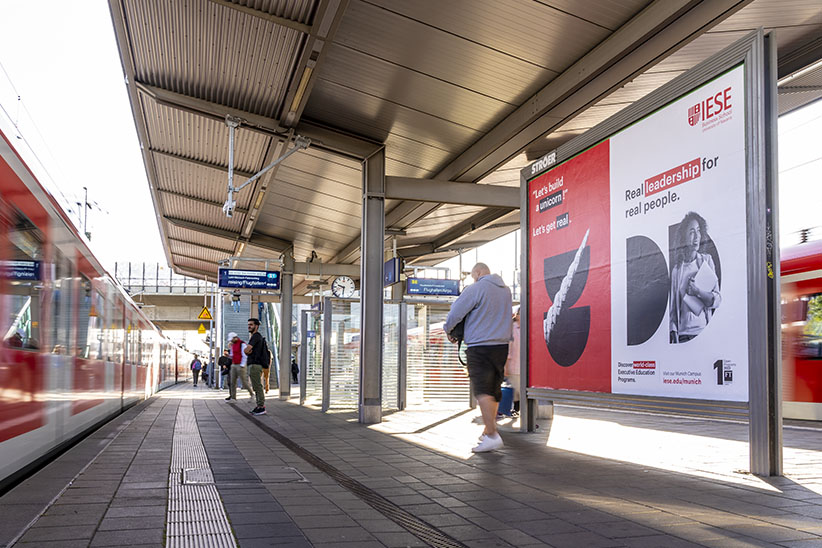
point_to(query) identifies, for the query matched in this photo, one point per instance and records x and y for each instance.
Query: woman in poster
(694, 283)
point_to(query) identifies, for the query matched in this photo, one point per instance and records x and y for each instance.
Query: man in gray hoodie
(486, 307)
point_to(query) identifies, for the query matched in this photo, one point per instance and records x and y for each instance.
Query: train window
(61, 320)
(89, 322)
(21, 280)
(811, 345)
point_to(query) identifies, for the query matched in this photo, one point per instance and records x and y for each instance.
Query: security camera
(228, 207)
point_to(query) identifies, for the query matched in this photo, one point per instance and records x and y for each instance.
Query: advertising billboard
(638, 256)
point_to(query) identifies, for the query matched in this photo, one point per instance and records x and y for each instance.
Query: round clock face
(343, 286)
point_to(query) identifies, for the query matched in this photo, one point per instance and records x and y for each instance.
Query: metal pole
(402, 357)
(286, 300)
(212, 359)
(326, 379)
(303, 353)
(371, 288)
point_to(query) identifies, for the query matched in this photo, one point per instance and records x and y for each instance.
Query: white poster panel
(678, 248)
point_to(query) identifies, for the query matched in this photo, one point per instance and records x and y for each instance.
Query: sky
(63, 61)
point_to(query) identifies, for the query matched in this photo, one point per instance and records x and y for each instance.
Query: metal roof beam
(214, 110)
(327, 269)
(326, 21)
(282, 21)
(201, 163)
(182, 256)
(194, 272)
(447, 192)
(257, 239)
(199, 200)
(209, 247)
(271, 243)
(473, 224)
(337, 141)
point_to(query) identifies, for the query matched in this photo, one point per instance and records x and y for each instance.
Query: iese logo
(710, 107)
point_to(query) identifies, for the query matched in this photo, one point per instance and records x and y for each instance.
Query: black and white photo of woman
(695, 281)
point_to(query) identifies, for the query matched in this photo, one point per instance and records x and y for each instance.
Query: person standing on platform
(196, 367)
(225, 367)
(257, 361)
(238, 367)
(295, 370)
(485, 306)
(512, 363)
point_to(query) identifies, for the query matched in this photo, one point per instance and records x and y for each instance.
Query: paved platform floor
(298, 477)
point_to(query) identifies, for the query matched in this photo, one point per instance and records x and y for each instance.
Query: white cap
(231, 336)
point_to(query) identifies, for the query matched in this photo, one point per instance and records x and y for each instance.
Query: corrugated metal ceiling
(429, 79)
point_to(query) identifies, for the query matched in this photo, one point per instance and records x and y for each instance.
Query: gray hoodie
(487, 303)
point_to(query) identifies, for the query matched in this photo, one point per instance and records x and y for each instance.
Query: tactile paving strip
(196, 517)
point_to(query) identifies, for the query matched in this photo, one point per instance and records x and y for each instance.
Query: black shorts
(486, 365)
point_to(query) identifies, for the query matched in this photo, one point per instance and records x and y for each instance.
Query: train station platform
(186, 468)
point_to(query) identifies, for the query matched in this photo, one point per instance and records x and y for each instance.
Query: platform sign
(20, 270)
(430, 286)
(638, 267)
(249, 279)
(391, 270)
(201, 330)
(205, 314)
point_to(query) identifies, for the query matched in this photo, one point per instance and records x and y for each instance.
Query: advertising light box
(638, 267)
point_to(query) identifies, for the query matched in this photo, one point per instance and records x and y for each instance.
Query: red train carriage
(75, 349)
(802, 331)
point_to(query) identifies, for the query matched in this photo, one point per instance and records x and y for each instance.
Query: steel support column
(286, 295)
(328, 311)
(402, 357)
(371, 287)
(303, 353)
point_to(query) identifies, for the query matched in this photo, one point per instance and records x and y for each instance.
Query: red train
(75, 348)
(802, 331)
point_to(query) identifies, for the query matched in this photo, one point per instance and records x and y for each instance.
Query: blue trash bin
(506, 404)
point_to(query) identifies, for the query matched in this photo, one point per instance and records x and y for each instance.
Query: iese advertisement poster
(638, 261)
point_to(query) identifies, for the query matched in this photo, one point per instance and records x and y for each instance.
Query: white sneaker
(489, 443)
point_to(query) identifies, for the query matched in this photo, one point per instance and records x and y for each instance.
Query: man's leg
(255, 373)
(244, 379)
(196, 375)
(488, 406)
(232, 381)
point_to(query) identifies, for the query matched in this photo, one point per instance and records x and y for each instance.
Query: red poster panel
(569, 298)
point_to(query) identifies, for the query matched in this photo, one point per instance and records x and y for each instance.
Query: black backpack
(265, 357)
(458, 332)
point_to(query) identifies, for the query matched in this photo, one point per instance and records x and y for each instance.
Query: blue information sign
(249, 279)
(391, 271)
(20, 270)
(426, 286)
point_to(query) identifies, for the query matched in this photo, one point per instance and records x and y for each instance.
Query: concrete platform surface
(299, 477)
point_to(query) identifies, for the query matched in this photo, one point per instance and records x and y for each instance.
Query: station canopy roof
(459, 90)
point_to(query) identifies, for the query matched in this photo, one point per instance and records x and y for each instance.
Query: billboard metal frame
(757, 52)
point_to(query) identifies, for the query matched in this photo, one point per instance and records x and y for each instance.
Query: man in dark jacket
(254, 350)
(485, 306)
(225, 367)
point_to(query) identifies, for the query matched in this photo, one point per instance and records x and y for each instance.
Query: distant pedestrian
(238, 366)
(485, 306)
(259, 359)
(512, 363)
(196, 367)
(225, 367)
(295, 370)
